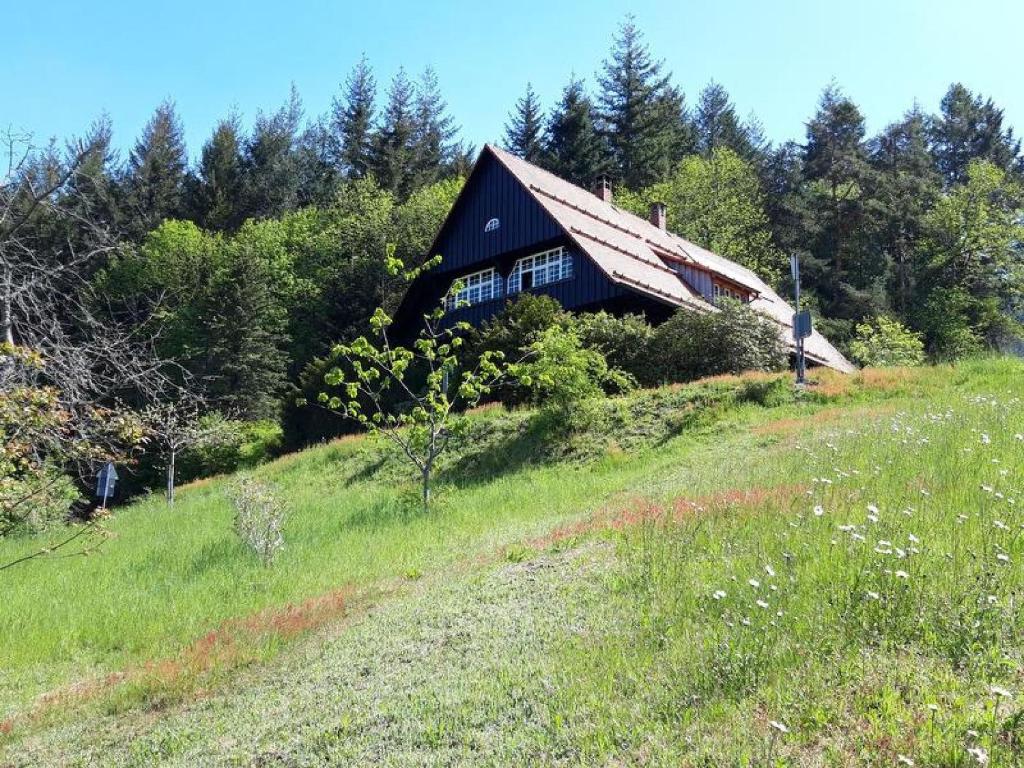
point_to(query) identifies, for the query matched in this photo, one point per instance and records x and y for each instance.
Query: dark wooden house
(516, 227)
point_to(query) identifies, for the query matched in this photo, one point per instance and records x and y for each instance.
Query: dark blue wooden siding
(526, 228)
(493, 193)
(697, 279)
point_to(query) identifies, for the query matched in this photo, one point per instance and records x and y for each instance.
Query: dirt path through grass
(451, 672)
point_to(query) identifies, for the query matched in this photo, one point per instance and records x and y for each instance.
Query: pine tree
(717, 125)
(156, 172)
(642, 116)
(838, 178)
(272, 172)
(217, 188)
(575, 151)
(970, 128)
(906, 186)
(524, 131)
(433, 133)
(94, 193)
(352, 122)
(392, 156)
(245, 338)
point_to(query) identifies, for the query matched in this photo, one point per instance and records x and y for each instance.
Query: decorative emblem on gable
(492, 225)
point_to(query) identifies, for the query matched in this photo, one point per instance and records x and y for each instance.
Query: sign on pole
(802, 324)
(106, 483)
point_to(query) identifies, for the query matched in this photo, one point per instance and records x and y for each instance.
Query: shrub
(884, 341)
(233, 445)
(259, 518)
(624, 341)
(512, 332)
(561, 373)
(690, 345)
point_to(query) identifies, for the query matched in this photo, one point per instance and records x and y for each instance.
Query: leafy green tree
(393, 154)
(156, 172)
(642, 116)
(217, 189)
(884, 341)
(524, 131)
(969, 262)
(717, 203)
(573, 148)
(352, 121)
(969, 128)
(372, 373)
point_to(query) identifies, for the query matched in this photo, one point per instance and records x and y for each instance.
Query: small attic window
(492, 225)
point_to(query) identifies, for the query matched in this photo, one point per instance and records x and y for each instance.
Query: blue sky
(63, 62)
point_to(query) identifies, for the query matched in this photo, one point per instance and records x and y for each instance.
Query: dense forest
(245, 266)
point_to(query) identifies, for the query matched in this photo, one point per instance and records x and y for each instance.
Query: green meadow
(724, 573)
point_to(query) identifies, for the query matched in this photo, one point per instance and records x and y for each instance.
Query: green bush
(561, 374)
(884, 341)
(237, 445)
(691, 345)
(624, 341)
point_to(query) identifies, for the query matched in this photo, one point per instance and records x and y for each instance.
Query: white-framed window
(475, 288)
(540, 269)
(722, 291)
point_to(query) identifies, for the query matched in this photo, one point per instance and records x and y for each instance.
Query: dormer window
(724, 291)
(540, 269)
(475, 288)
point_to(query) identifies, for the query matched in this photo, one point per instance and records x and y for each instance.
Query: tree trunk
(170, 479)
(426, 490)
(6, 311)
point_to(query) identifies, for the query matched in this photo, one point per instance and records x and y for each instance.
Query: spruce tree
(272, 172)
(906, 185)
(838, 178)
(717, 125)
(245, 338)
(352, 122)
(575, 150)
(524, 131)
(968, 128)
(392, 156)
(642, 116)
(433, 133)
(217, 188)
(156, 172)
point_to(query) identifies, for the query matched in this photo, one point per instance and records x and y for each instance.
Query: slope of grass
(650, 668)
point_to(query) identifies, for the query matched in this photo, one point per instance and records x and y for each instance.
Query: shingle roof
(635, 253)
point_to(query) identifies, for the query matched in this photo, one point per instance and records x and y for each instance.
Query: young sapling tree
(381, 389)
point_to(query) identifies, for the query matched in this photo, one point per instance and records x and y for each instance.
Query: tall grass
(169, 578)
(871, 611)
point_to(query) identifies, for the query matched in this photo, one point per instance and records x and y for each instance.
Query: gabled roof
(636, 254)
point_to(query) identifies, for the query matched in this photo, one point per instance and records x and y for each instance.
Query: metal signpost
(801, 322)
(106, 483)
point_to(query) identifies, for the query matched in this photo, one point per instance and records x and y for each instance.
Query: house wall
(492, 192)
(525, 228)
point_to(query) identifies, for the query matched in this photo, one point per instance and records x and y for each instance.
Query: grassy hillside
(696, 565)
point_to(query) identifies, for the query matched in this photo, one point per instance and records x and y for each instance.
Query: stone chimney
(603, 188)
(658, 214)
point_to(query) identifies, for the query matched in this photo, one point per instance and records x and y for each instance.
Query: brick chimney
(603, 188)
(658, 214)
